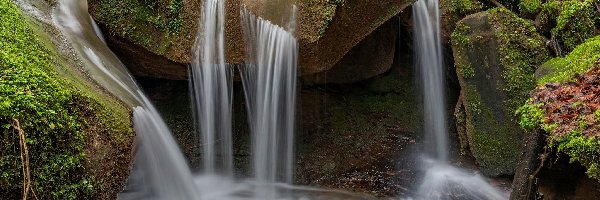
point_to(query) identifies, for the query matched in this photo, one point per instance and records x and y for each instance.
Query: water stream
(160, 171)
(211, 90)
(269, 78)
(441, 180)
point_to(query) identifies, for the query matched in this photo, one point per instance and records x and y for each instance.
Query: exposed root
(24, 151)
(533, 177)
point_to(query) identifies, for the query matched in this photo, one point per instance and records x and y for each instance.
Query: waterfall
(441, 181)
(160, 171)
(211, 90)
(269, 80)
(431, 73)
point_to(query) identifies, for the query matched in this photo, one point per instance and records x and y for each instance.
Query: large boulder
(327, 30)
(496, 54)
(372, 56)
(61, 135)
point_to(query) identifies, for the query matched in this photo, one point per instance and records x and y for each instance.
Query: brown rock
(372, 56)
(327, 30)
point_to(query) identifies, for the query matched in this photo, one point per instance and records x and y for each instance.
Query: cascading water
(441, 181)
(211, 90)
(160, 170)
(269, 79)
(431, 73)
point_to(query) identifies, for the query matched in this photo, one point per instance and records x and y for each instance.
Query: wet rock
(496, 54)
(327, 30)
(374, 55)
(525, 182)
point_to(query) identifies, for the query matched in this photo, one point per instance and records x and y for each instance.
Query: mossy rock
(495, 54)
(78, 136)
(570, 22)
(565, 69)
(326, 30)
(578, 146)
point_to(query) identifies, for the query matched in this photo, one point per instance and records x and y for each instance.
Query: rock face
(495, 56)
(524, 184)
(327, 30)
(374, 55)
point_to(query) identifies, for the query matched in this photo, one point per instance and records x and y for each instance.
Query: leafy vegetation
(328, 14)
(463, 7)
(52, 114)
(530, 7)
(532, 116)
(570, 113)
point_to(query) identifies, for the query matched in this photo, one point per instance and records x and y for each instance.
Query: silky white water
(431, 75)
(441, 180)
(211, 84)
(160, 171)
(269, 79)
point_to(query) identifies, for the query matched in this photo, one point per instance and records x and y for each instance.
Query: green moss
(520, 50)
(142, 21)
(580, 148)
(579, 61)
(460, 40)
(328, 14)
(571, 22)
(463, 7)
(575, 23)
(492, 144)
(530, 7)
(56, 115)
(532, 116)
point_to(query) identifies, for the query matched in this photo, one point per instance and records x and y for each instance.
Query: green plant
(580, 148)
(530, 7)
(531, 115)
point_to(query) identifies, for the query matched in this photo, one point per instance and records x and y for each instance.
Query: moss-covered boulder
(61, 137)
(327, 30)
(496, 54)
(566, 106)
